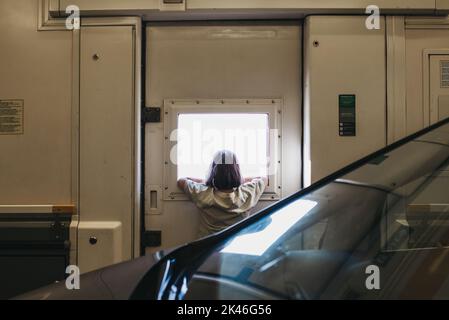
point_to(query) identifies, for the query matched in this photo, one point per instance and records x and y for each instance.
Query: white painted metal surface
(342, 57)
(100, 244)
(35, 166)
(439, 87)
(420, 45)
(107, 132)
(217, 7)
(310, 4)
(396, 79)
(224, 61)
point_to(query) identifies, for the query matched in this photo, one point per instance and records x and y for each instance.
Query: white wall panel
(103, 7)
(310, 4)
(223, 61)
(342, 57)
(417, 41)
(107, 128)
(36, 67)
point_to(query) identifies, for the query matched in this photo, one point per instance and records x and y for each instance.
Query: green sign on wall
(346, 114)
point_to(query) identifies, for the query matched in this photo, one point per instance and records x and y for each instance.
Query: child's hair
(224, 172)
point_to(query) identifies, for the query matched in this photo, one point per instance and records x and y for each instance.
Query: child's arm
(249, 179)
(182, 182)
(197, 180)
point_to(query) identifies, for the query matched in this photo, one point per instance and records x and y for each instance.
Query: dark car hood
(115, 282)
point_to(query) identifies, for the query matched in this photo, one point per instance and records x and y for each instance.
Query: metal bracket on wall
(151, 115)
(173, 1)
(152, 238)
(47, 21)
(172, 5)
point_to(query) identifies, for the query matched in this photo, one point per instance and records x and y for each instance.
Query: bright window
(195, 129)
(200, 135)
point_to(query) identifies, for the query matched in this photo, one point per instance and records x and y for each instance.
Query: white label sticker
(11, 117)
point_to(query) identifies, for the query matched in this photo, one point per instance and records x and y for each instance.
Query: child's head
(224, 172)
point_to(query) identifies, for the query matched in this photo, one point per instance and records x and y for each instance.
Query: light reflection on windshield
(258, 242)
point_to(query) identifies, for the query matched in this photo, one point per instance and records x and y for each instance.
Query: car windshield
(380, 231)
